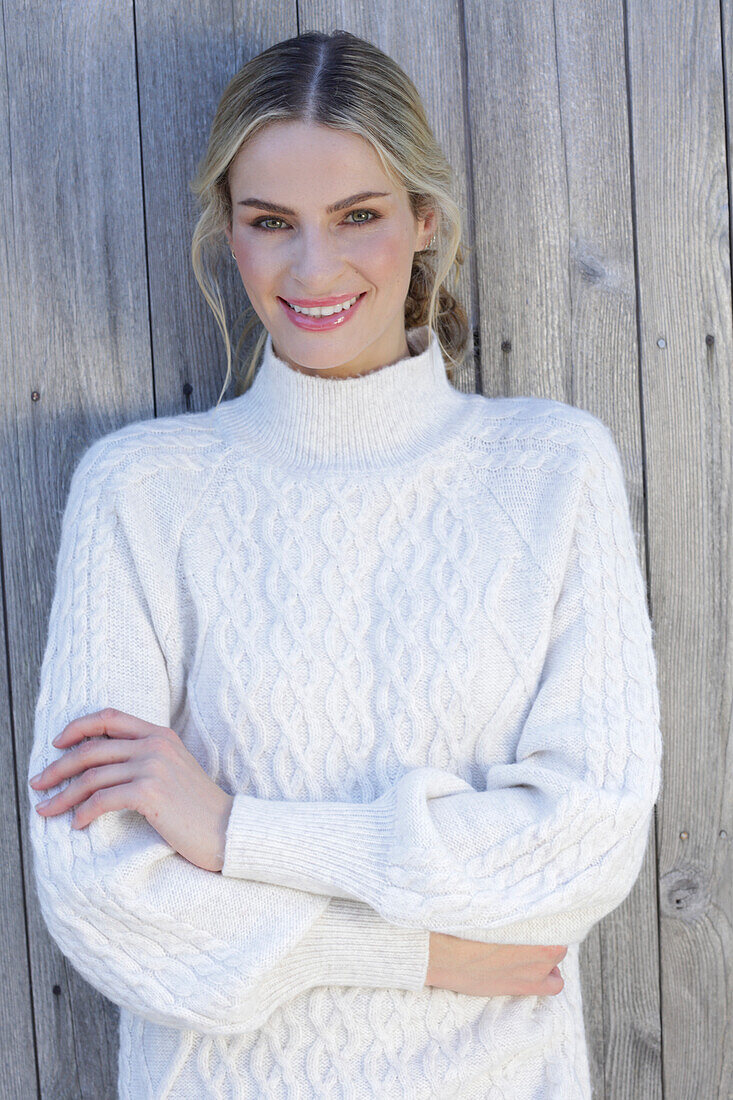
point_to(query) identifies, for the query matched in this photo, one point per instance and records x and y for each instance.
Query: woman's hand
(130, 764)
(493, 969)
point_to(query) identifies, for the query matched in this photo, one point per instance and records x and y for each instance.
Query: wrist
(221, 838)
(439, 959)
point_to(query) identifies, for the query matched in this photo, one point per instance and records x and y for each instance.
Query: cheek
(256, 269)
(389, 261)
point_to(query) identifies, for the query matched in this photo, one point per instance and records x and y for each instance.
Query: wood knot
(683, 894)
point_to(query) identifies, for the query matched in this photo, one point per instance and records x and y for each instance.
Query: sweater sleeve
(557, 838)
(171, 942)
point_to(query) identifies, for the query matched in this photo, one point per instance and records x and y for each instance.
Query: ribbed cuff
(334, 848)
(350, 944)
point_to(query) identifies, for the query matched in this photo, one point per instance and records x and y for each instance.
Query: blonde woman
(348, 711)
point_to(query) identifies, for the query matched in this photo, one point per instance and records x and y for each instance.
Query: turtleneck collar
(384, 418)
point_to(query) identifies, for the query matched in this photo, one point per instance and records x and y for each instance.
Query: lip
(313, 303)
(318, 324)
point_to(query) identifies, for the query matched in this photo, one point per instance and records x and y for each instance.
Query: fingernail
(56, 739)
(43, 802)
(35, 778)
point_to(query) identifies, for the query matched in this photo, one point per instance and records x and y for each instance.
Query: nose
(317, 262)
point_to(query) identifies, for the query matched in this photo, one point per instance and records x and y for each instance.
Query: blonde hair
(344, 82)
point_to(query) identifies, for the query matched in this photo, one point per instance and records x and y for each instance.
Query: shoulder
(540, 432)
(182, 448)
(146, 478)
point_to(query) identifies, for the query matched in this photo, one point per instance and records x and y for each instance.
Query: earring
(232, 252)
(430, 243)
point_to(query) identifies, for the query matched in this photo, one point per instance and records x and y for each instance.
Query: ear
(429, 225)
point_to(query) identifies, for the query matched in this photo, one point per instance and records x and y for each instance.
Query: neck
(386, 417)
(337, 372)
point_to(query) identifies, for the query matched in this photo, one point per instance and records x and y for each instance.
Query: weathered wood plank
(77, 298)
(681, 204)
(16, 1006)
(556, 291)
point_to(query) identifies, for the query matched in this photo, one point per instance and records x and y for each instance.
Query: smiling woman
(369, 213)
(322, 255)
(349, 686)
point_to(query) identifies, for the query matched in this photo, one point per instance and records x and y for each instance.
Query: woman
(352, 674)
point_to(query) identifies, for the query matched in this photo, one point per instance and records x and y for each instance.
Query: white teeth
(326, 311)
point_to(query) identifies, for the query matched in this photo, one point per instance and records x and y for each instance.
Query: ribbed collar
(387, 417)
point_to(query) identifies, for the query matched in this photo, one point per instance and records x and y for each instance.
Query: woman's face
(290, 247)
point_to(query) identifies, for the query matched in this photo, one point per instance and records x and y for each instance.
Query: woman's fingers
(122, 797)
(88, 755)
(82, 789)
(109, 721)
(113, 734)
(123, 762)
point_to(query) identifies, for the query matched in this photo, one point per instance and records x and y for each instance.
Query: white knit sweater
(406, 628)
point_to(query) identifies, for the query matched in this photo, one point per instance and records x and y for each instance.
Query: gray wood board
(678, 74)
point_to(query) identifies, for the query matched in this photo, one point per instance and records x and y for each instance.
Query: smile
(314, 319)
(324, 311)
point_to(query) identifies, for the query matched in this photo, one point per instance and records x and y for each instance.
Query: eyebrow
(360, 197)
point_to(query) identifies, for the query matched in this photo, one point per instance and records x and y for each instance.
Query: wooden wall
(591, 142)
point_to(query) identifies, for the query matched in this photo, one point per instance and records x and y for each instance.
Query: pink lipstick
(320, 324)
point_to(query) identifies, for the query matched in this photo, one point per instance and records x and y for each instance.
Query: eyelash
(272, 218)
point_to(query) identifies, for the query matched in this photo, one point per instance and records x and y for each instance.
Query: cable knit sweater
(406, 628)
